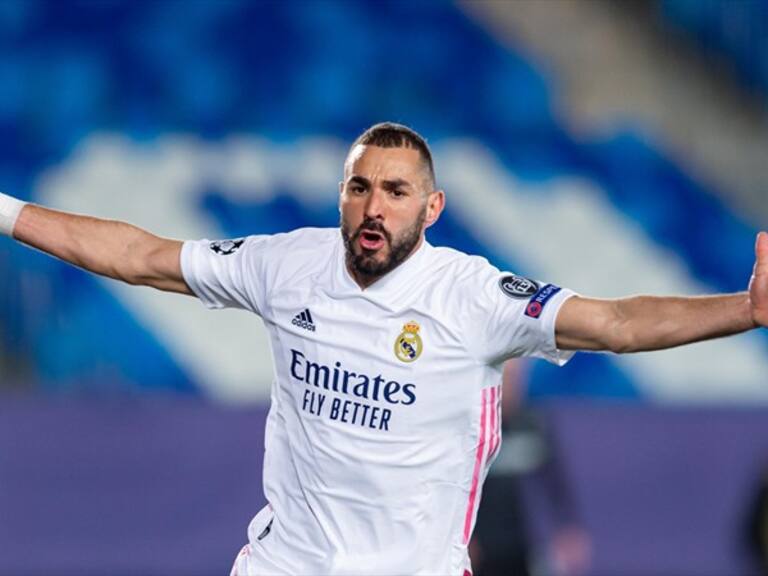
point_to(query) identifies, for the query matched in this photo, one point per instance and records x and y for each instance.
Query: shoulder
(301, 252)
(304, 239)
(458, 284)
(471, 282)
(264, 248)
(457, 268)
(303, 244)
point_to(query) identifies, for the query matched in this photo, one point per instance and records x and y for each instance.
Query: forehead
(375, 161)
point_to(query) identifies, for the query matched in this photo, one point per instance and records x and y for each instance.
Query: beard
(364, 264)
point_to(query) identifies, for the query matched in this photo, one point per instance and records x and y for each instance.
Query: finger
(761, 254)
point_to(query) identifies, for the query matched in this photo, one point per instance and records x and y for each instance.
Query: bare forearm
(106, 247)
(653, 323)
(643, 323)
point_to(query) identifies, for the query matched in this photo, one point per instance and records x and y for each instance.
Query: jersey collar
(389, 286)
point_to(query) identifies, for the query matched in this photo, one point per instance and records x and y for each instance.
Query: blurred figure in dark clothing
(758, 523)
(502, 544)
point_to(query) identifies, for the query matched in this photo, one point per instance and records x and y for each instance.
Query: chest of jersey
(354, 363)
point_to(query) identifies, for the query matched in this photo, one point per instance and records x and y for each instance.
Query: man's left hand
(758, 284)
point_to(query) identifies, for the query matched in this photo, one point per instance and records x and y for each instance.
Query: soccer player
(384, 411)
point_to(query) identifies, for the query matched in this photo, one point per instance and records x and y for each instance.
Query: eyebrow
(386, 184)
(396, 183)
(360, 180)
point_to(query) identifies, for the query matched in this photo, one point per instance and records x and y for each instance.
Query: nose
(374, 205)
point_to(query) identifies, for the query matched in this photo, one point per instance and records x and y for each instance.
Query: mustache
(373, 226)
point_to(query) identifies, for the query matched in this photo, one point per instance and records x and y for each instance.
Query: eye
(398, 193)
(356, 189)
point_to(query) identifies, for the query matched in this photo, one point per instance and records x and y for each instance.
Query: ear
(435, 205)
(341, 191)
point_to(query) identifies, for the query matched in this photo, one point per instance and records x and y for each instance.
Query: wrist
(10, 208)
(750, 311)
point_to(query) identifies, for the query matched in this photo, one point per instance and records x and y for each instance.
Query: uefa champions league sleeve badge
(408, 345)
(226, 247)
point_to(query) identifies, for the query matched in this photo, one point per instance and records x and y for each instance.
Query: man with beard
(387, 352)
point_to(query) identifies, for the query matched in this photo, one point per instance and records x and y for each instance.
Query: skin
(389, 191)
(388, 195)
(106, 247)
(643, 323)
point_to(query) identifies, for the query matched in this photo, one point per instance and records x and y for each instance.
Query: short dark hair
(393, 135)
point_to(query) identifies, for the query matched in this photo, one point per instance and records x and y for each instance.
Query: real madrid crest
(408, 345)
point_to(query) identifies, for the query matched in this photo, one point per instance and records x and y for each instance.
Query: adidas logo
(304, 320)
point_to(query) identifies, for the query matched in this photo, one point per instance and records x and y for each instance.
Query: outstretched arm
(642, 323)
(106, 247)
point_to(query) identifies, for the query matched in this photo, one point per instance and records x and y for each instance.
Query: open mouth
(371, 240)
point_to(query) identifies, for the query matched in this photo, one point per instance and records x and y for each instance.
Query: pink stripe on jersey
(245, 550)
(494, 430)
(498, 417)
(478, 465)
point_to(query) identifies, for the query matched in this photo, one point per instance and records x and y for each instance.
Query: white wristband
(10, 208)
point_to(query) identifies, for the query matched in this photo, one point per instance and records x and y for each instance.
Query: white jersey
(385, 412)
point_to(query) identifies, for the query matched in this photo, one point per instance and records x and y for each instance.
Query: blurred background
(611, 147)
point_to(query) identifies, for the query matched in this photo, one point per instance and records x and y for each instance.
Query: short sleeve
(514, 316)
(227, 273)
